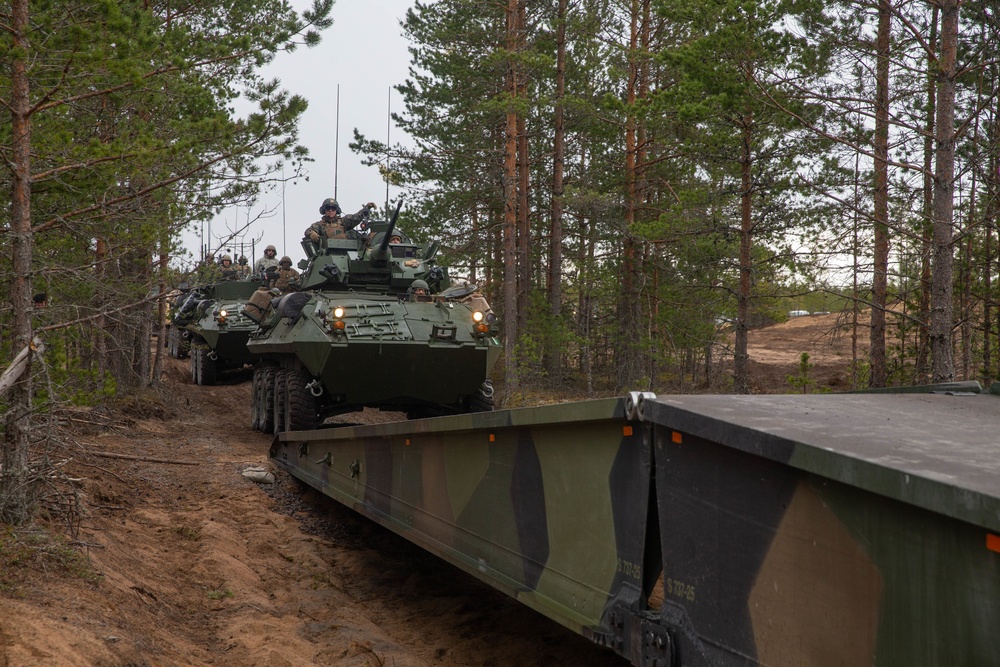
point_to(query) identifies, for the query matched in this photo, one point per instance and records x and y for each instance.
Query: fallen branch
(148, 459)
(17, 366)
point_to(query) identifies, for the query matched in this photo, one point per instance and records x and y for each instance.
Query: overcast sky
(365, 53)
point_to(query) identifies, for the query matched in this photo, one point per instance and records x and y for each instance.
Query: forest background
(634, 183)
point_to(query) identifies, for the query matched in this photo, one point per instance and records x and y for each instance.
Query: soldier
(419, 291)
(226, 270)
(242, 269)
(265, 262)
(286, 275)
(333, 225)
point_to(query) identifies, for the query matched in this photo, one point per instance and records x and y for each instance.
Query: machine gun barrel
(380, 254)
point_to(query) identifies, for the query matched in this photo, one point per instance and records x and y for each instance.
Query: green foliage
(219, 594)
(802, 380)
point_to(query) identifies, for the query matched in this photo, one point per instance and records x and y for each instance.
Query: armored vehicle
(377, 324)
(209, 324)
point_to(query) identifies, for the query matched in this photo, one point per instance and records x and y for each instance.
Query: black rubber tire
(177, 346)
(300, 406)
(482, 400)
(280, 400)
(207, 368)
(255, 399)
(266, 417)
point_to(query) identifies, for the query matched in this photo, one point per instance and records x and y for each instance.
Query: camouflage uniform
(226, 269)
(242, 269)
(333, 225)
(286, 274)
(261, 266)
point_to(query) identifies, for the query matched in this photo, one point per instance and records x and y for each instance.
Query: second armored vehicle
(209, 324)
(377, 324)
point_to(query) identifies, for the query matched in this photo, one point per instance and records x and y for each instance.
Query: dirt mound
(776, 351)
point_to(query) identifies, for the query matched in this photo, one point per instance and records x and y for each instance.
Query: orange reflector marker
(675, 436)
(407, 442)
(993, 542)
(627, 430)
(493, 438)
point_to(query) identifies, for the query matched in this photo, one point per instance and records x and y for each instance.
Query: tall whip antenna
(336, 145)
(388, 124)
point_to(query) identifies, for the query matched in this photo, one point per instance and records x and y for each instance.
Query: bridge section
(706, 530)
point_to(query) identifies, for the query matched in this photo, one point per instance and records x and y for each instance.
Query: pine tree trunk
(880, 272)
(14, 495)
(942, 318)
(510, 212)
(524, 273)
(628, 365)
(554, 359)
(741, 357)
(923, 367)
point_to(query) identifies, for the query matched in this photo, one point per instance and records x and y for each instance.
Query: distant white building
(797, 313)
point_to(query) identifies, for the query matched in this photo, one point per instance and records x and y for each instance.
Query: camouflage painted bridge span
(852, 529)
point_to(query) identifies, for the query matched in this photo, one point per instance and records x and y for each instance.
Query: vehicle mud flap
(280, 400)
(255, 401)
(266, 420)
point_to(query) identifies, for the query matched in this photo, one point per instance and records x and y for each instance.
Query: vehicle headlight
(477, 316)
(338, 325)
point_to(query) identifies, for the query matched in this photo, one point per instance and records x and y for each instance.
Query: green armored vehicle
(377, 324)
(211, 327)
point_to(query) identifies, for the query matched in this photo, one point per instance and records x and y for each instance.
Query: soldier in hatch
(333, 225)
(267, 261)
(241, 268)
(420, 292)
(286, 276)
(226, 269)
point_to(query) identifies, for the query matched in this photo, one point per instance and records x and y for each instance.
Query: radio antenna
(336, 144)
(388, 124)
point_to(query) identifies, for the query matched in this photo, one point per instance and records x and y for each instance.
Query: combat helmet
(328, 203)
(420, 285)
(284, 259)
(227, 258)
(271, 248)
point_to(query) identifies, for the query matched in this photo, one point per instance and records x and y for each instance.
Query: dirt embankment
(196, 565)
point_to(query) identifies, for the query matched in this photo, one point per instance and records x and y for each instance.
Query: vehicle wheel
(482, 400)
(255, 400)
(206, 367)
(300, 413)
(265, 406)
(195, 355)
(280, 400)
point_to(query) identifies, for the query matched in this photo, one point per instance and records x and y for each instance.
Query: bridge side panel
(545, 507)
(765, 564)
